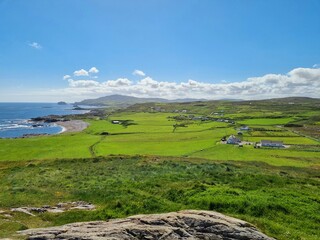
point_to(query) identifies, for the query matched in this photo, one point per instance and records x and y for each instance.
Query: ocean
(14, 118)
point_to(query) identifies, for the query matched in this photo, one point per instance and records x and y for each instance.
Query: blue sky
(193, 47)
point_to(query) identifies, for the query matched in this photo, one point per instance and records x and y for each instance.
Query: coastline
(43, 125)
(72, 126)
(63, 129)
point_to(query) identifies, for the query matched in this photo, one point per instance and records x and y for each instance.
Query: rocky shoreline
(68, 123)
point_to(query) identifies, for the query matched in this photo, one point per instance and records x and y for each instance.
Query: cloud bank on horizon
(297, 82)
(83, 84)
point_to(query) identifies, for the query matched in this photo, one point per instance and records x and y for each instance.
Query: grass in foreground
(282, 201)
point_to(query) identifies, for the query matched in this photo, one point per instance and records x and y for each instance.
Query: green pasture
(267, 121)
(282, 201)
(48, 147)
(147, 123)
(153, 163)
(271, 134)
(154, 134)
(245, 112)
(286, 140)
(272, 156)
(267, 128)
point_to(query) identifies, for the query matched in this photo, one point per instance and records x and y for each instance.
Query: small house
(268, 143)
(233, 140)
(244, 128)
(115, 122)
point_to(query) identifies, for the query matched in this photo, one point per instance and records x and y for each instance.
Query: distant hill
(295, 100)
(289, 105)
(125, 101)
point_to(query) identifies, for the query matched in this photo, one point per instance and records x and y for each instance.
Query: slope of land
(281, 201)
(170, 134)
(162, 157)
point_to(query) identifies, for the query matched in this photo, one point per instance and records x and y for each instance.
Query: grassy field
(267, 121)
(160, 162)
(276, 199)
(154, 134)
(47, 147)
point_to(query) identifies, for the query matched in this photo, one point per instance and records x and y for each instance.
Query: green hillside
(160, 157)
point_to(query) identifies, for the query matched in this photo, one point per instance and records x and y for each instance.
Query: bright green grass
(152, 134)
(266, 121)
(282, 201)
(276, 157)
(271, 134)
(259, 114)
(49, 147)
(183, 141)
(286, 140)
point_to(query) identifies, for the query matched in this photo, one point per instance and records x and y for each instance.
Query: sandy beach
(72, 126)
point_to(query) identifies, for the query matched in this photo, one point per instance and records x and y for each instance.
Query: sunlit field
(132, 162)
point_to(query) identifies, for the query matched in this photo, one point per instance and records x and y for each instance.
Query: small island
(62, 103)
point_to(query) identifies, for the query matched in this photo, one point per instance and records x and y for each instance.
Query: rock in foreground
(188, 224)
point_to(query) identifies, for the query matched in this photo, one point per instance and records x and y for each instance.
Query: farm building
(268, 143)
(115, 122)
(233, 140)
(244, 128)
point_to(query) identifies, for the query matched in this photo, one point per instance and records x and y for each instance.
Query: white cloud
(35, 45)
(93, 70)
(139, 73)
(65, 77)
(120, 82)
(148, 82)
(297, 82)
(83, 83)
(80, 72)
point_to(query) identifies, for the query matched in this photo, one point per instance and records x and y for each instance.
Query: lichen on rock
(187, 224)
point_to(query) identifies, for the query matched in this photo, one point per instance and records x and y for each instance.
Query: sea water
(15, 118)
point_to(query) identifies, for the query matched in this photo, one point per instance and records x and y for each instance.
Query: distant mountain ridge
(124, 101)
